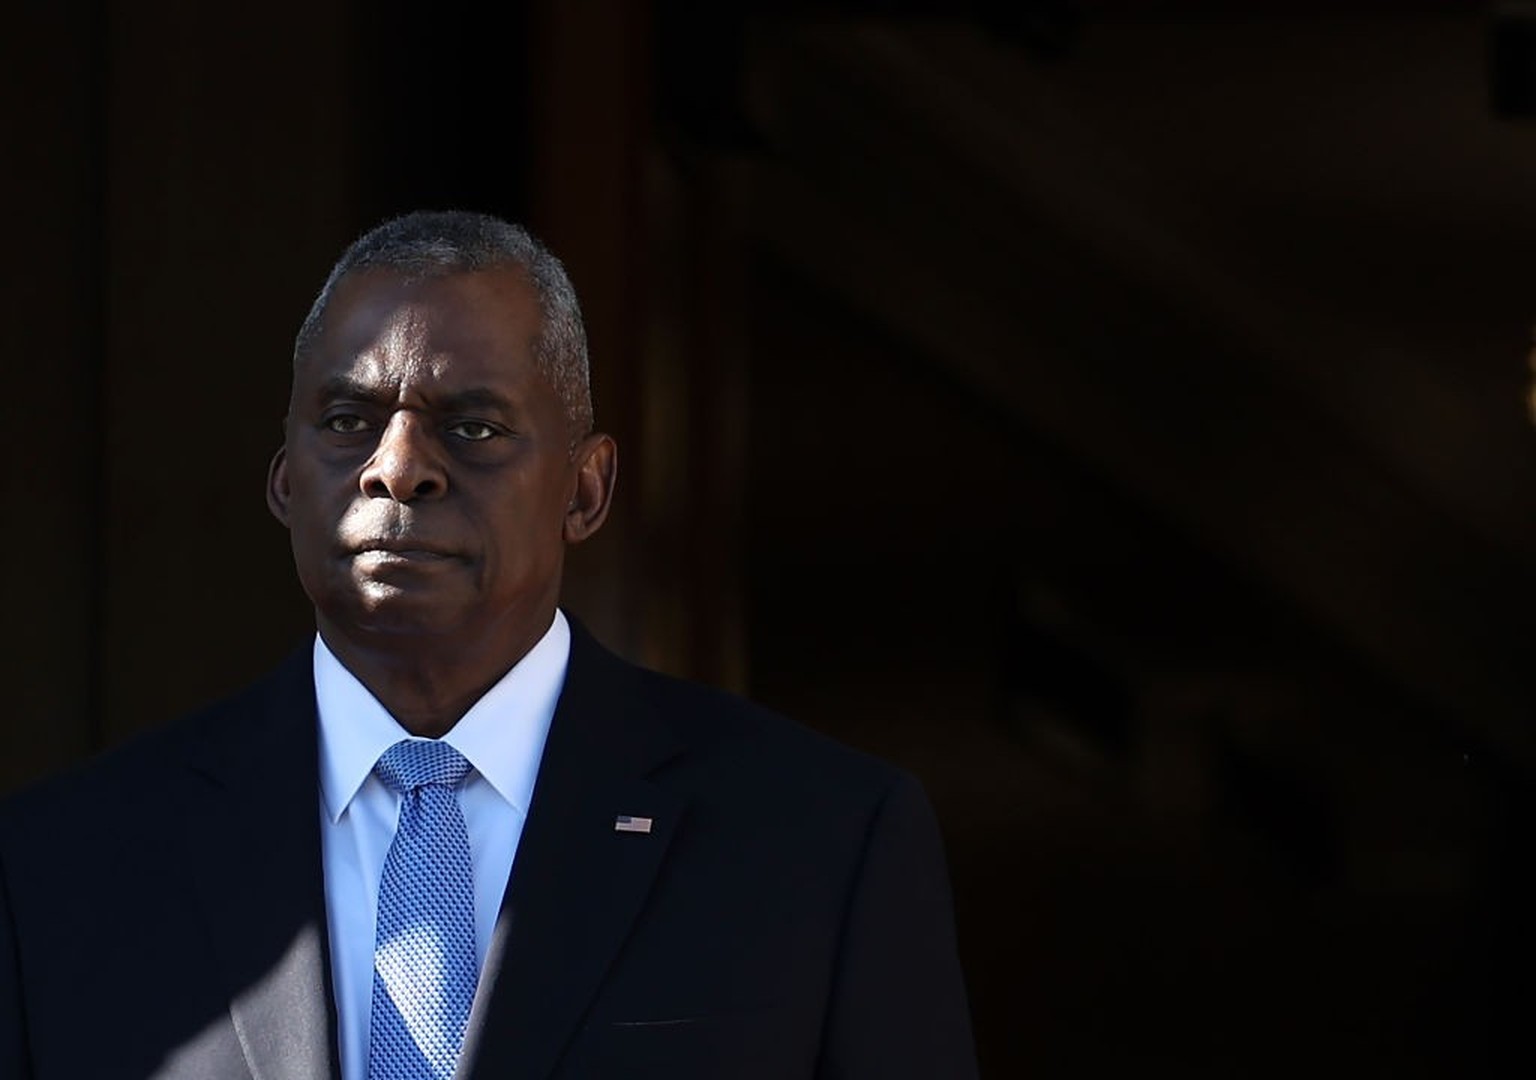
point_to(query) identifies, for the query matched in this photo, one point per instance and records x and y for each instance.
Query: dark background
(1114, 413)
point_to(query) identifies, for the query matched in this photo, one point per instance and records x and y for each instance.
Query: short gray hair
(428, 244)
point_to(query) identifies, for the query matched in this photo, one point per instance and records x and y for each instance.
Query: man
(456, 833)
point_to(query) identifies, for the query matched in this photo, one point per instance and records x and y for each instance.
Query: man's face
(427, 477)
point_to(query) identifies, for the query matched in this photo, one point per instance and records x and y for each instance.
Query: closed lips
(405, 549)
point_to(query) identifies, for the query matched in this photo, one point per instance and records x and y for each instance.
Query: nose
(407, 463)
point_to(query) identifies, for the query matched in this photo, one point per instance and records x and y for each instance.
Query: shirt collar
(502, 735)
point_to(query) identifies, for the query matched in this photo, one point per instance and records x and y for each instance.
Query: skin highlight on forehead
(404, 337)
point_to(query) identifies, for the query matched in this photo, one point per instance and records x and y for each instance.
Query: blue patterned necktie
(424, 969)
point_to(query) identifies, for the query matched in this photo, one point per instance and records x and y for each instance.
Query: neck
(428, 684)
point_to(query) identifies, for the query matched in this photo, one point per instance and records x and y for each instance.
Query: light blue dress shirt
(502, 736)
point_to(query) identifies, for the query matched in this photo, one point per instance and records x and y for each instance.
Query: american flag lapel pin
(628, 823)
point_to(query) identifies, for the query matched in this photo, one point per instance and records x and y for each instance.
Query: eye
(345, 424)
(472, 430)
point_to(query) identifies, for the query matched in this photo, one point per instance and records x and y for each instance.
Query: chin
(388, 611)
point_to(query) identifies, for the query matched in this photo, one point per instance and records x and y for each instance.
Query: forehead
(382, 324)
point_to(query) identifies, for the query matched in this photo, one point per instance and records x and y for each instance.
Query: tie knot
(415, 763)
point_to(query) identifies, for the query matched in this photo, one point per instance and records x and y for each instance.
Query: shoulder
(146, 773)
(725, 723)
(735, 748)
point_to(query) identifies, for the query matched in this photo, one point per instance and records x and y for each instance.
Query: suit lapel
(577, 883)
(259, 878)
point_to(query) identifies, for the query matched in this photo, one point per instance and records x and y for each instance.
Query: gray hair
(428, 244)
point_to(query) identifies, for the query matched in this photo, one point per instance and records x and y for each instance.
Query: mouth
(399, 550)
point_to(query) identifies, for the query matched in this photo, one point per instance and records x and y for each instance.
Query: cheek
(312, 527)
(530, 544)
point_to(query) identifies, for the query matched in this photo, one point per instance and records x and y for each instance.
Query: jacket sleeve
(898, 1009)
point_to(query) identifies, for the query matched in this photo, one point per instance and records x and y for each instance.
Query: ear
(597, 462)
(277, 486)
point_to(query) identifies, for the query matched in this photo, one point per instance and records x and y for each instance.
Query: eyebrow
(346, 387)
(475, 398)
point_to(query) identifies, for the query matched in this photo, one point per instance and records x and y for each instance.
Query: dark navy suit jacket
(788, 915)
